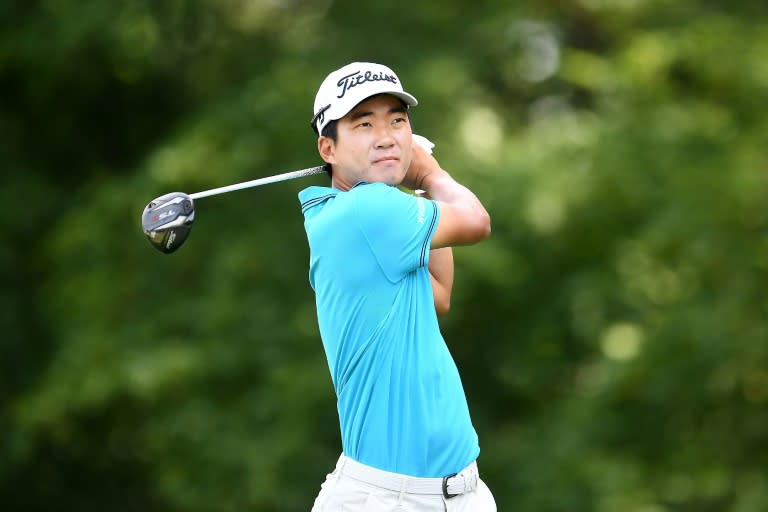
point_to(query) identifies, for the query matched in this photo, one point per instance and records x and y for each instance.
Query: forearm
(441, 275)
(442, 187)
(426, 174)
(463, 218)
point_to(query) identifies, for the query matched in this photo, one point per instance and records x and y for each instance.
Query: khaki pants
(353, 487)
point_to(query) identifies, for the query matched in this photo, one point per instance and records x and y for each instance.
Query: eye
(399, 120)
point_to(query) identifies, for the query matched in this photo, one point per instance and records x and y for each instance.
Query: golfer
(381, 268)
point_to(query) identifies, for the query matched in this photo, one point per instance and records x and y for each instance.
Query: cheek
(352, 149)
(406, 156)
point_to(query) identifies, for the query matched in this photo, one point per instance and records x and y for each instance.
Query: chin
(388, 176)
(390, 179)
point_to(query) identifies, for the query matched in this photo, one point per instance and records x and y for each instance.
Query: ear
(327, 149)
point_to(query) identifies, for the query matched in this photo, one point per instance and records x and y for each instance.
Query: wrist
(422, 164)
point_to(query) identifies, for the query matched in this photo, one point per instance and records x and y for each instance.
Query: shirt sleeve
(398, 228)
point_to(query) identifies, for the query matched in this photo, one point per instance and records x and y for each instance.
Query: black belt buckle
(446, 495)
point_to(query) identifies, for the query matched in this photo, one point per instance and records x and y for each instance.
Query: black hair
(331, 130)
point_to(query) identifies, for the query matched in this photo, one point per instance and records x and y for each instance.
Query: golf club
(168, 219)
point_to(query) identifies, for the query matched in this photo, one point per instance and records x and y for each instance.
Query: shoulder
(372, 194)
(312, 196)
(378, 203)
(380, 200)
(375, 204)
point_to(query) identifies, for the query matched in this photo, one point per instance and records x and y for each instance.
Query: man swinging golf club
(381, 267)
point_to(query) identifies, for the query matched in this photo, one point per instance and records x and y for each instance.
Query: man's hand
(463, 219)
(422, 164)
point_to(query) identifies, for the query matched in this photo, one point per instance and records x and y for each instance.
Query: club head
(168, 220)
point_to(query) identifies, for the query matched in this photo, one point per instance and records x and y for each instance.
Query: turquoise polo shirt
(401, 404)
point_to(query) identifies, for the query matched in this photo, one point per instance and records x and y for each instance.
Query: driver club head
(168, 220)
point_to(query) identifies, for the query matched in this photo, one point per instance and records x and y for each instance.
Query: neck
(340, 184)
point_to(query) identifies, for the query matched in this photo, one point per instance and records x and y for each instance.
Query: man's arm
(441, 275)
(463, 218)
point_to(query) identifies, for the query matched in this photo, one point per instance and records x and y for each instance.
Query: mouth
(386, 159)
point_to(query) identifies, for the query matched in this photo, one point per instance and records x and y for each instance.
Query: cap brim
(332, 115)
(406, 98)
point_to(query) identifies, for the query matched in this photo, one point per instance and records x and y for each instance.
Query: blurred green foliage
(612, 334)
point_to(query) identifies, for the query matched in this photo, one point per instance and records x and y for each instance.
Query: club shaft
(260, 181)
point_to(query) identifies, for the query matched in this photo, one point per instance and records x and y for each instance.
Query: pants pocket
(480, 500)
(374, 503)
(486, 500)
(326, 490)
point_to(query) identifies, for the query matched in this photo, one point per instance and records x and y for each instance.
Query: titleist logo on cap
(337, 95)
(351, 80)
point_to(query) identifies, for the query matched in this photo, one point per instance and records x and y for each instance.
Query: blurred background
(612, 334)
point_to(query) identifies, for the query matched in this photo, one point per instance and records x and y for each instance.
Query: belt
(448, 486)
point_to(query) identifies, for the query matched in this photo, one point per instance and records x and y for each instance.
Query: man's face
(373, 143)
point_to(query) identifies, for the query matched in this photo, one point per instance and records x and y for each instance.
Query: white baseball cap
(348, 86)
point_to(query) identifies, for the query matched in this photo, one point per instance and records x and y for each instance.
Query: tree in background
(611, 333)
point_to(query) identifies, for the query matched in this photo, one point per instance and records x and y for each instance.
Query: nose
(384, 138)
